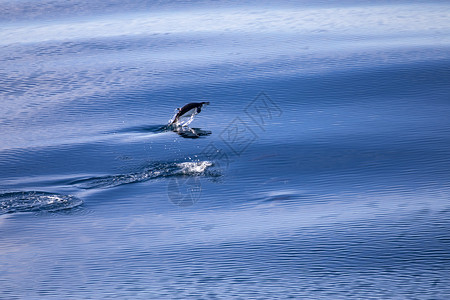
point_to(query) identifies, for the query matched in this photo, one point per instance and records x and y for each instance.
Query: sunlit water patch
(336, 20)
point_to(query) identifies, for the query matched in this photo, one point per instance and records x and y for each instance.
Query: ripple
(34, 201)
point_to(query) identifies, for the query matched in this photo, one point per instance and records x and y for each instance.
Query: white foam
(194, 167)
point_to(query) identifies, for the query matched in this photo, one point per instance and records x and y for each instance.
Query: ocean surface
(320, 169)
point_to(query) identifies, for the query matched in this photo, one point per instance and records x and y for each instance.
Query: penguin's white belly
(190, 113)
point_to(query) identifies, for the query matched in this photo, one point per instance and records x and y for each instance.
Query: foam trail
(155, 171)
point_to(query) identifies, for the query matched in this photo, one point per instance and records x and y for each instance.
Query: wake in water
(37, 201)
(155, 171)
(33, 201)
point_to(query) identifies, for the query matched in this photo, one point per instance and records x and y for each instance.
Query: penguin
(189, 110)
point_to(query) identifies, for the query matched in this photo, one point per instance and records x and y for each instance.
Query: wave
(155, 171)
(35, 201)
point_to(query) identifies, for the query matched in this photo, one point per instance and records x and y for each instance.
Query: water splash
(194, 167)
(33, 201)
(182, 121)
(154, 171)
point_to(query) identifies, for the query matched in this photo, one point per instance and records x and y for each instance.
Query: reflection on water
(191, 133)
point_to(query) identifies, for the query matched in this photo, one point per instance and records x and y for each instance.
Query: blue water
(319, 171)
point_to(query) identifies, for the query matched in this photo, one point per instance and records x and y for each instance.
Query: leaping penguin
(189, 110)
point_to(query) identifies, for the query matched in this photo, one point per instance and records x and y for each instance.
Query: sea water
(320, 170)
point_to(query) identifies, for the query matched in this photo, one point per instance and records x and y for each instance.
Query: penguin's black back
(188, 107)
